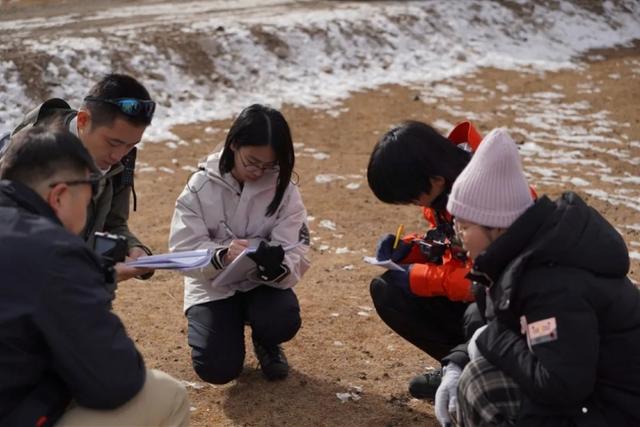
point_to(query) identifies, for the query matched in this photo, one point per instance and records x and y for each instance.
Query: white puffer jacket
(209, 200)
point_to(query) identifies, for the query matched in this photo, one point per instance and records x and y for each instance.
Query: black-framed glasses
(253, 167)
(93, 181)
(132, 107)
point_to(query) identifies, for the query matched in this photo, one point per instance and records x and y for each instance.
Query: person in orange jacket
(428, 303)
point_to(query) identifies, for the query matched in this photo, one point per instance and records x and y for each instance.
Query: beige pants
(162, 401)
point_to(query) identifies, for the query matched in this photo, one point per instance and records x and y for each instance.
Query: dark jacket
(58, 339)
(562, 265)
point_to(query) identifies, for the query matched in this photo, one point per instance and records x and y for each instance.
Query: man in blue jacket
(64, 356)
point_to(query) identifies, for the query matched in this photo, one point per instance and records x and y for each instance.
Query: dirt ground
(342, 343)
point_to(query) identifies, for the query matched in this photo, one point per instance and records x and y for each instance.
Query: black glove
(385, 249)
(269, 261)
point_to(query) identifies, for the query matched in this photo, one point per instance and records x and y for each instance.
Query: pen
(293, 246)
(398, 235)
(228, 230)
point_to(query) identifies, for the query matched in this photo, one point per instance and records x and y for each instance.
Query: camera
(433, 250)
(111, 247)
(437, 240)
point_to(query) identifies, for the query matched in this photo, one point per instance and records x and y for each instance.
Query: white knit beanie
(492, 190)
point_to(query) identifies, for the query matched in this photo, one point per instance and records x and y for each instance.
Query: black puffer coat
(562, 265)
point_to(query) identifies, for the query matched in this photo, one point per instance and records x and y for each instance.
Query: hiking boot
(272, 361)
(424, 386)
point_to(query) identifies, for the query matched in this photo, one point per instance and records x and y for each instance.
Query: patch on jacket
(542, 331)
(303, 235)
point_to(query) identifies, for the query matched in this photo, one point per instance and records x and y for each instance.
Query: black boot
(424, 386)
(272, 361)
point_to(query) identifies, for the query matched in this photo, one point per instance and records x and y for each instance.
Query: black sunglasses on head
(93, 181)
(132, 107)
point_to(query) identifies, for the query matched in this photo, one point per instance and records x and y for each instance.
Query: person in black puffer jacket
(562, 343)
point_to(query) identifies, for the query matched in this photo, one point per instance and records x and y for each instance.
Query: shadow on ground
(301, 400)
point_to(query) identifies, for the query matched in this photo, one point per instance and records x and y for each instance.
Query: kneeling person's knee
(215, 373)
(168, 396)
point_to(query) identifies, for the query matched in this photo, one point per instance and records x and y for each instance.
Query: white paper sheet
(186, 260)
(387, 263)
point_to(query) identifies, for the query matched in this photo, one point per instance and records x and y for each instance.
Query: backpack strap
(4, 143)
(125, 178)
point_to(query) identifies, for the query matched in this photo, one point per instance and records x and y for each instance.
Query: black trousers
(216, 329)
(433, 324)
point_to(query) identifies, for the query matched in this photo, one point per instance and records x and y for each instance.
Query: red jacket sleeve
(448, 279)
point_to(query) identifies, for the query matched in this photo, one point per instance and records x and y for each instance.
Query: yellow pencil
(398, 235)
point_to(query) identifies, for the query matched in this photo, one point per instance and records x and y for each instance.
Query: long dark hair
(406, 157)
(259, 125)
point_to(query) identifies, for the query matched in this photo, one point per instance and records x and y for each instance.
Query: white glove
(472, 348)
(446, 395)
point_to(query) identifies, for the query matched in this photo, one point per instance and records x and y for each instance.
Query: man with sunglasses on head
(110, 123)
(65, 357)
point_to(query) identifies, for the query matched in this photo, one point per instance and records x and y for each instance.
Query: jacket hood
(210, 164)
(565, 233)
(576, 235)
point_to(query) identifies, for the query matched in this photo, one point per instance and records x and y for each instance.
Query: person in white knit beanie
(486, 198)
(490, 193)
(562, 340)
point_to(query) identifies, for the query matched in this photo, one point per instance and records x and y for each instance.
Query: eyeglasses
(131, 107)
(464, 228)
(253, 167)
(93, 181)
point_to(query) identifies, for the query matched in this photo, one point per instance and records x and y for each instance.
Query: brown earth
(337, 347)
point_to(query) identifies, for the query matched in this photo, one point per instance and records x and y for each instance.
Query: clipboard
(243, 267)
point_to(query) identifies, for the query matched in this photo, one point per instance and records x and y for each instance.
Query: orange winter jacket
(448, 279)
(428, 279)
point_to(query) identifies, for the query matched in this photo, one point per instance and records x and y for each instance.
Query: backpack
(46, 111)
(38, 115)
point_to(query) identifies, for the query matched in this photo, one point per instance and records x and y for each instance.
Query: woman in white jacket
(241, 198)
